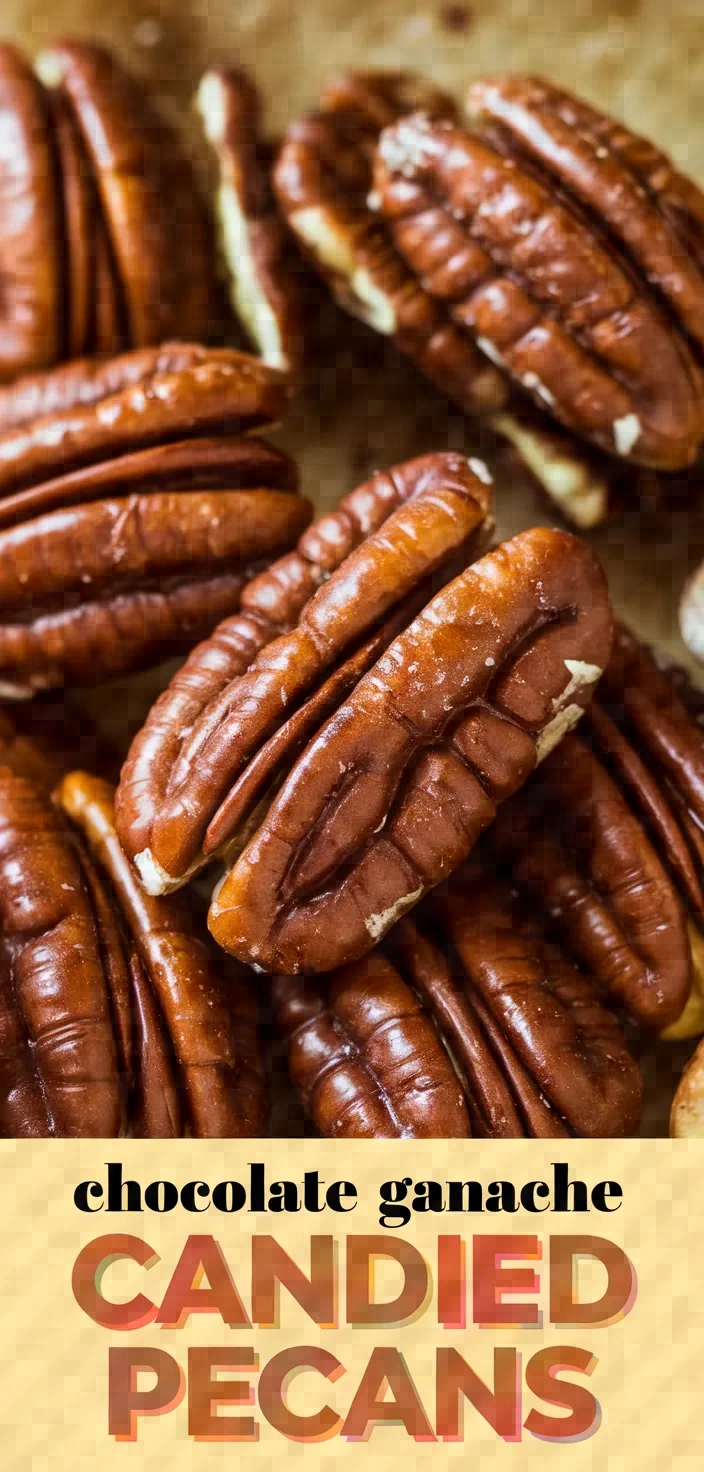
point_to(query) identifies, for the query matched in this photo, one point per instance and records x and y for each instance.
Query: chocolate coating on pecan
(310, 625)
(323, 178)
(541, 289)
(392, 794)
(30, 324)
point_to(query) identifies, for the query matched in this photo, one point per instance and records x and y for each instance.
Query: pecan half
(128, 526)
(146, 193)
(391, 794)
(31, 322)
(609, 841)
(220, 737)
(322, 178)
(113, 1013)
(498, 1035)
(532, 237)
(264, 276)
(691, 613)
(687, 1112)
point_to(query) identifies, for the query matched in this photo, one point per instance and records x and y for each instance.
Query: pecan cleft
(131, 517)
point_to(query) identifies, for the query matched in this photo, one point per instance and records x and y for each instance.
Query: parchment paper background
(640, 58)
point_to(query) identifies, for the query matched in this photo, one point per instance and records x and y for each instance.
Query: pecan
(493, 1032)
(248, 699)
(554, 242)
(609, 842)
(577, 478)
(128, 526)
(391, 794)
(322, 179)
(114, 1013)
(30, 334)
(687, 1113)
(96, 190)
(265, 278)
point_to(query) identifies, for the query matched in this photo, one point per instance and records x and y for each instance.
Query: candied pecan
(365, 1056)
(247, 700)
(156, 224)
(31, 326)
(264, 277)
(541, 272)
(124, 535)
(114, 1013)
(322, 178)
(401, 780)
(609, 841)
(176, 391)
(499, 1035)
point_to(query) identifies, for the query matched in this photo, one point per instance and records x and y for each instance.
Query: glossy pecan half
(396, 787)
(220, 738)
(96, 191)
(480, 1025)
(609, 841)
(130, 517)
(569, 251)
(323, 177)
(114, 1013)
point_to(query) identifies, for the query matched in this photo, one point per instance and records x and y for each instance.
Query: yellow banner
(173, 1305)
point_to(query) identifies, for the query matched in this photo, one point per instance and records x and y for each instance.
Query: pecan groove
(307, 621)
(466, 1034)
(541, 289)
(390, 796)
(113, 1014)
(131, 521)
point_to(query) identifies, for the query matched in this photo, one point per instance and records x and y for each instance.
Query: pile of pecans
(433, 814)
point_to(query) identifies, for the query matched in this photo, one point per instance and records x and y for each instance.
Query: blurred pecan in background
(571, 253)
(609, 840)
(265, 274)
(221, 737)
(463, 1027)
(322, 178)
(104, 239)
(396, 785)
(131, 516)
(115, 1015)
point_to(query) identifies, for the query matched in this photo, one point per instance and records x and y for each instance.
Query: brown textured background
(642, 59)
